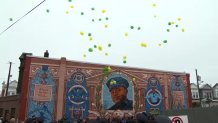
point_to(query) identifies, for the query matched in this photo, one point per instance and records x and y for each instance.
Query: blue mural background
(77, 97)
(154, 102)
(177, 84)
(44, 110)
(107, 101)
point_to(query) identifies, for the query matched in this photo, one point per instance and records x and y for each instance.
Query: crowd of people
(139, 118)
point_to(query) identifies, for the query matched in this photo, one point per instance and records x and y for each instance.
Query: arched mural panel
(77, 97)
(154, 96)
(178, 93)
(42, 95)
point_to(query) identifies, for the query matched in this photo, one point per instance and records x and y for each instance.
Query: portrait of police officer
(118, 87)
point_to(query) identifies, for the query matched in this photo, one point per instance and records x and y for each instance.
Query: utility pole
(9, 75)
(198, 77)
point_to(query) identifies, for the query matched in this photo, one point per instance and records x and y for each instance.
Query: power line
(22, 17)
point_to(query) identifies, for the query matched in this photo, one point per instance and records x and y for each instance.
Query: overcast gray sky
(58, 25)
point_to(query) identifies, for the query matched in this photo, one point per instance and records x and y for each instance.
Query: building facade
(12, 88)
(53, 88)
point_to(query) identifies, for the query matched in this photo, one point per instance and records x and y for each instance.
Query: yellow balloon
(126, 34)
(100, 48)
(106, 26)
(82, 33)
(71, 6)
(183, 30)
(103, 11)
(143, 44)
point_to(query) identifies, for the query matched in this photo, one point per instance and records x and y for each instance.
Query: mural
(178, 93)
(77, 97)
(118, 92)
(153, 96)
(42, 95)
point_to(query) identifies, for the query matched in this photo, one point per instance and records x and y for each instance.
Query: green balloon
(95, 46)
(169, 23)
(89, 34)
(139, 28)
(82, 13)
(131, 27)
(124, 61)
(165, 41)
(92, 8)
(168, 30)
(109, 45)
(106, 18)
(90, 50)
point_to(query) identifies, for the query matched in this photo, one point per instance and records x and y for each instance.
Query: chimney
(46, 54)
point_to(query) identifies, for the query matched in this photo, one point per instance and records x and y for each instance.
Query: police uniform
(115, 83)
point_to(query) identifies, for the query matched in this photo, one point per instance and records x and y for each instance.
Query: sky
(170, 35)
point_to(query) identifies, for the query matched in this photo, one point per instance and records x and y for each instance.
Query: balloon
(126, 34)
(89, 34)
(124, 57)
(84, 55)
(106, 18)
(139, 28)
(90, 50)
(82, 13)
(103, 11)
(47, 10)
(92, 8)
(168, 30)
(106, 54)
(100, 48)
(154, 4)
(81, 33)
(124, 61)
(183, 30)
(109, 45)
(179, 19)
(11, 19)
(143, 44)
(90, 38)
(106, 26)
(131, 27)
(95, 46)
(67, 12)
(165, 41)
(71, 6)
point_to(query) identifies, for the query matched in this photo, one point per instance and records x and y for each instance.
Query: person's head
(12, 120)
(163, 119)
(118, 88)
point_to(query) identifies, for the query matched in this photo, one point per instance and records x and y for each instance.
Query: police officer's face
(119, 94)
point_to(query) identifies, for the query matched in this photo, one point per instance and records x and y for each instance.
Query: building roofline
(121, 66)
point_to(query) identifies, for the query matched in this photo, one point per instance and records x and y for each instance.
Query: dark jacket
(124, 105)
